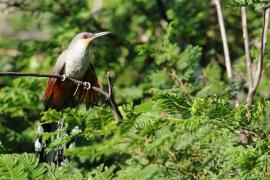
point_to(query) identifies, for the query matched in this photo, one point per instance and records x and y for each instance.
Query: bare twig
(224, 41)
(116, 111)
(109, 83)
(179, 82)
(246, 42)
(263, 43)
(248, 58)
(257, 75)
(108, 95)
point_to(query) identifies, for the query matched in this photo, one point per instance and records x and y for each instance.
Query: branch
(179, 82)
(263, 43)
(224, 41)
(108, 95)
(246, 43)
(117, 113)
(257, 75)
(248, 59)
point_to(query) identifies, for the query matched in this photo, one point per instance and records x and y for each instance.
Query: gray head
(83, 39)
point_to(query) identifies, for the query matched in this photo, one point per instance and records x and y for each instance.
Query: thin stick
(247, 53)
(259, 68)
(224, 41)
(179, 82)
(263, 43)
(116, 111)
(246, 42)
(109, 96)
(29, 74)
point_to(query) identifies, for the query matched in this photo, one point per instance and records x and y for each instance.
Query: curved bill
(100, 34)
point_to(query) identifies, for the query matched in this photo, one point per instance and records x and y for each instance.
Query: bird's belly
(76, 69)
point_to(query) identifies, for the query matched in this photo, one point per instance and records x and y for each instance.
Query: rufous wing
(90, 97)
(58, 93)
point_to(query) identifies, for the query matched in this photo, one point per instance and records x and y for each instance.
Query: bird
(61, 93)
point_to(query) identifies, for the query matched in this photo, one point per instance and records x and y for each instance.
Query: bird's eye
(85, 36)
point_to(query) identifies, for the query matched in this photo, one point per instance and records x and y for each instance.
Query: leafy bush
(169, 81)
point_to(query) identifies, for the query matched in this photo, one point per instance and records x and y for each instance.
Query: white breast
(76, 65)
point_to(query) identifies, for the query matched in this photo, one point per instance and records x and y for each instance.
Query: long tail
(57, 155)
(54, 156)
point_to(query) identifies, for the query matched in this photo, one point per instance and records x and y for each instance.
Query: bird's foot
(64, 77)
(87, 86)
(77, 88)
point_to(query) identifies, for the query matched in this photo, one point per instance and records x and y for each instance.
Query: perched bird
(59, 94)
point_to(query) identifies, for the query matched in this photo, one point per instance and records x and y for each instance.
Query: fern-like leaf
(173, 104)
(11, 168)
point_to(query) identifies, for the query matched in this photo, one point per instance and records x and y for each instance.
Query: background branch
(224, 41)
(108, 95)
(247, 53)
(257, 75)
(263, 43)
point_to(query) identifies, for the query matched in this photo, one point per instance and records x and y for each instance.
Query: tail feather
(43, 128)
(54, 156)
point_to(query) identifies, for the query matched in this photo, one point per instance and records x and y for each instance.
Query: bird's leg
(64, 77)
(87, 86)
(77, 88)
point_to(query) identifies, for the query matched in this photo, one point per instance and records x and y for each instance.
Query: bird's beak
(93, 36)
(100, 34)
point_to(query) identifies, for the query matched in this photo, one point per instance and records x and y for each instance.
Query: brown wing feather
(58, 94)
(90, 97)
(49, 88)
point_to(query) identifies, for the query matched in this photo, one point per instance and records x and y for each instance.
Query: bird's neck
(78, 49)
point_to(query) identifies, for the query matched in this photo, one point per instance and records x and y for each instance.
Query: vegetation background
(167, 64)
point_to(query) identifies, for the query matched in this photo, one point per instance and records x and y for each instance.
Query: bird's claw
(87, 86)
(77, 88)
(64, 77)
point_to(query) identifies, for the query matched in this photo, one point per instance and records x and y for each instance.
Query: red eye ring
(85, 36)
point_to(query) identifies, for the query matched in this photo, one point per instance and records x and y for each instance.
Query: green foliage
(18, 117)
(162, 145)
(173, 103)
(25, 166)
(166, 59)
(257, 4)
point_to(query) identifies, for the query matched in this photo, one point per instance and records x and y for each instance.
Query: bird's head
(84, 38)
